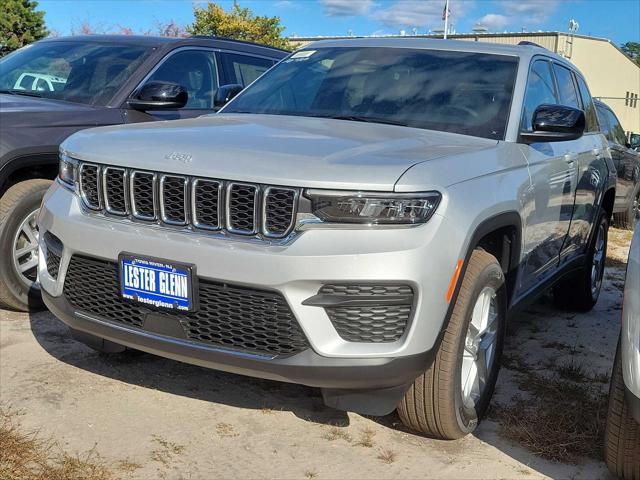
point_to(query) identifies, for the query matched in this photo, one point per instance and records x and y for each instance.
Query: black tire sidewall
(15, 216)
(468, 418)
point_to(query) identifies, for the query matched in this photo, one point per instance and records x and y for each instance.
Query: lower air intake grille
(229, 316)
(53, 253)
(369, 313)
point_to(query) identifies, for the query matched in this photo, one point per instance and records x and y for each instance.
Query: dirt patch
(25, 455)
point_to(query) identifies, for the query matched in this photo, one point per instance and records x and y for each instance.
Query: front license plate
(158, 283)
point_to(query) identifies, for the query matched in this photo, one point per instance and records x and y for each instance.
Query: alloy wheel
(597, 267)
(25, 250)
(480, 347)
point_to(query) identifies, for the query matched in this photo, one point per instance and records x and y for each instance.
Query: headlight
(373, 208)
(67, 171)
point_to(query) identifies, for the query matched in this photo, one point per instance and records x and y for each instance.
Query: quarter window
(605, 128)
(617, 132)
(244, 69)
(540, 90)
(587, 106)
(195, 70)
(566, 88)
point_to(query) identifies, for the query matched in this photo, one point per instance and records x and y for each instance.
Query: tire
(622, 435)
(631, 216)
(17, 205)
(435, 404)
(580, 291)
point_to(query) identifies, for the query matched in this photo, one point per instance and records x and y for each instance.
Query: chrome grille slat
(278, 210)
(173, 199)
(206, 203)
(200, 204)
(114, 185)
(143, 192)
(90, 188)
(242, 208)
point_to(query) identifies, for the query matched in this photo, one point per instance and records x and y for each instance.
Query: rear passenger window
(243, 69)
(540, 90)
(587, 106)
(566, 88)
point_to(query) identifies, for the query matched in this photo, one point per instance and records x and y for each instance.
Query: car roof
(157, 41)
(524, 50)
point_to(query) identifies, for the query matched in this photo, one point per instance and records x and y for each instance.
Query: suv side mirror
(634, 141)
(225, 93)
(159, 96)
(555, 123)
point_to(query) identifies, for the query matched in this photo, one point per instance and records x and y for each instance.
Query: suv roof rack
(246, 42)
(533, 44)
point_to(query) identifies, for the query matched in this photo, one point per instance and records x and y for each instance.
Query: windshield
(80, 72)
(459, 92)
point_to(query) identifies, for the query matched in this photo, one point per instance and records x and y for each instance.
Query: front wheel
(622, 435)
(450, 397)
(19, 288)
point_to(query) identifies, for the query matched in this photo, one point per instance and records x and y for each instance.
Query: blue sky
(618, 20)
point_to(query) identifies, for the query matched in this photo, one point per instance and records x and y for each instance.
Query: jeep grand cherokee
(360, 219)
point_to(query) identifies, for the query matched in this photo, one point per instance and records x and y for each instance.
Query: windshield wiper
(362, 118)
(26, 93)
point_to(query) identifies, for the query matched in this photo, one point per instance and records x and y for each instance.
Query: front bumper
(297, 270)
(346, 382)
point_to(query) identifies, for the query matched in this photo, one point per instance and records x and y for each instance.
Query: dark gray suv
(55, 87)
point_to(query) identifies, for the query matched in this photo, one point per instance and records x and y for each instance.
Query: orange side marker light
(454, 281)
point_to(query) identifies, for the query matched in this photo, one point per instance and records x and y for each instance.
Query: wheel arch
(27, 167)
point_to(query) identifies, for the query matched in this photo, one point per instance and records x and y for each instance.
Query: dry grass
(165, 450)
(26, 456)
(226, 430)
(366, 438)
(310, 474)
(387, 456)
(336, 433)
(562, 421)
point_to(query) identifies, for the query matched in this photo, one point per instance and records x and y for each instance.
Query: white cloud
(530, 11)
(494, 21)
(346, 8)
(421, 14)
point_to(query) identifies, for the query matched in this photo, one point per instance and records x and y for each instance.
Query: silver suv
(622, 438)
(362, 219)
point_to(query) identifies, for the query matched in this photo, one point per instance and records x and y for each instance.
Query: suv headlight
(373, 207)
(67, 171)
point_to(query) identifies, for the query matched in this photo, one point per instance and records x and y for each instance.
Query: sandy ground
(150, 417)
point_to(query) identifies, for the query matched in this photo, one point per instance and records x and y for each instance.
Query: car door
(194, 68)
(549, 203)
(588, 152)
(592, 173)
(625, 160)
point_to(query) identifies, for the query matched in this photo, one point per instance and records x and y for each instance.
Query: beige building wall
(611, 75)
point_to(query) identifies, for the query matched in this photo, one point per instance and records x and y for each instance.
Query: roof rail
(532, 44)
(246, 42)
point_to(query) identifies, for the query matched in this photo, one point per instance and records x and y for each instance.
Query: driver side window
(540, 90)
(196, 71)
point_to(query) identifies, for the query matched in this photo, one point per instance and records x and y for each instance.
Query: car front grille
(229, 316)
(245, 209)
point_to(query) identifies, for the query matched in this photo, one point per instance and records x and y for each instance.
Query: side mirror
(555, 123)
(225, 93)
(634, 141)
(159, 96)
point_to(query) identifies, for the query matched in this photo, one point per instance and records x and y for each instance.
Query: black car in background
(55, 87)
(627, 162)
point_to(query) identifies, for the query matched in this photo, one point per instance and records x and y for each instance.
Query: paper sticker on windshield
(302, 55)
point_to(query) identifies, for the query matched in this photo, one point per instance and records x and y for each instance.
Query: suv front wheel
(450, 397)
(19, 207)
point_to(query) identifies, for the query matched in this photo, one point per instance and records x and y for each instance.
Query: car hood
(24, 111)
(272, 149)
